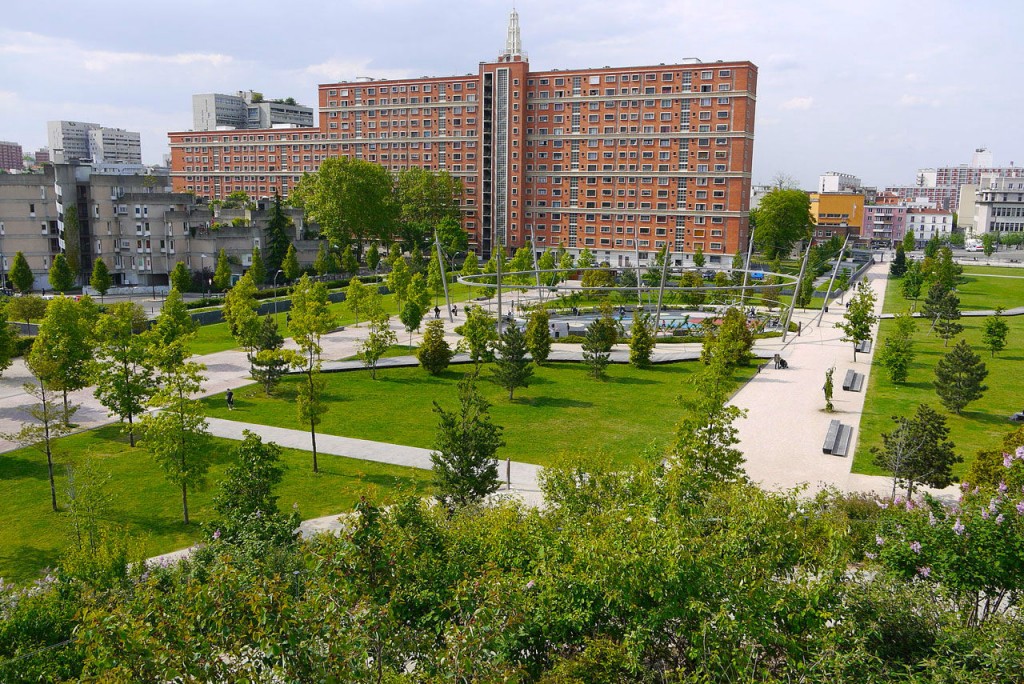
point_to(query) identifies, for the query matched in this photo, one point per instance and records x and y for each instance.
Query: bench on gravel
(854, 381)
(837, 439)
(864, 347)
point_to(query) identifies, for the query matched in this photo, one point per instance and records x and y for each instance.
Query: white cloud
(798, 103)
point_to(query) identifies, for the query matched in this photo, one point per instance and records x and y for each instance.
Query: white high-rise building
(77, 140)
(834, 181)
(247, 109)
(115, 145)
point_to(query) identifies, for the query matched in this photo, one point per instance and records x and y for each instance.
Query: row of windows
(415, 88)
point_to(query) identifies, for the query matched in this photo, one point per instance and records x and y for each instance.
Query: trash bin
(826, 309)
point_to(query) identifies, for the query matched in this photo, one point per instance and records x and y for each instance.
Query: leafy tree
(123, 371)
(258, 269)
(290, 265)
(471, 266)
(479, 332)
(917, 451)
(349, 263)
(434, 353)
(898, 265)
(738, 264)
(177, 433)
(722, 283)
(271, 361)
(418, 292)
(64, 347)
(600, 337)
(8, 341)
(373, 257)
(782, 218)
(566, 263)
(398, 280)
(909, 244)
(546, 262)
(435, 283)
(585, 259)
(321, 264)
(947, 272)
(931, 248)
(452, 237)
(692, 296)
(356, 296)
(352, 200)
(309, 401)
(706, 437)
(72, 242)
(641, 341)
(698, 256)
(280, 230)
(491, 268)
(859, 317)
(943, 308)
(512, 368)
(100, 279)
(897, 352)
(988, 243)
(994, 332)
(26, 307)
(379, 339)
(62, 278)
(731, 342)
(989, 468)
(959, 377)
(240, 313)
(828, 388)
(48, 422)
(222, 276)
(427, 199)
(21, 276)
(181, 278)
(805, 291)
(411, 316)
(465, 464)
(416, 261)
(172, 332)
(538, 335)
(311, 320)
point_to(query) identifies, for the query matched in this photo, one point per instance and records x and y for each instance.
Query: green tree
(828, 388)
(373, 257)
(947, 272)
(931, 248)
(177, 433)
(310, 404)
(181, 278)
(21, 276)
(782, 218)
(693, 295)
(72, 242)
(512, 367)
(917, 451)
(411, 316)
(239, 311)
(64, 347)
(959, 377)
(994, 332)
(546, 262)
(897, 352)
(356, 296)
(280, 230)
(349, 263)
(222, 276)
(172, 332)
(435, 283)
(418, 292)
(698, 256)
(62, 278)
(434, 353)
(988, 243)
(426, 199)
(641, 341)
(909, 244)
(258, 269)
(416, 260)
(452, 237)
(479, 332)
(942, 307)
(311, 320)
(706, 437)
(123, 371)
(100, 279)
(26, 308)
(352, 200)
(898, 265)
(8, 341)
(271, 360)
(471, 266)
(379, 338)
(566, 263)
(738, 264)
(290, 265)
(723, 284)
(466, 445)
(805, 291)
(859, 317)
(730, 342)
(913, 281)
(322, 262)
(600, 337)
(398, 280)
(585, 259)
(538, 336)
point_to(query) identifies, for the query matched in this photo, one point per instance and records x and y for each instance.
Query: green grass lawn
(564, 410)
(978, 292)
(393, 351)
(982, 424)
(148, 507)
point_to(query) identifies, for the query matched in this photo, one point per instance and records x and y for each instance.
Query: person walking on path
(437, 312)
(230, 396)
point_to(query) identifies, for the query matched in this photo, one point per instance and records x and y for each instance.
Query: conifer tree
(959, 377)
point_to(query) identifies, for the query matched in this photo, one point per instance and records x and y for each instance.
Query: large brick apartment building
(622, 160)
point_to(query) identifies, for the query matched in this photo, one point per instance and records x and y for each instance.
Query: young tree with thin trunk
(917, 451)
(959, 377)
(239, 311)
(538, 336)
(434, 352)
(601, 336)
(356, 295)
(897, 352)
(435, 283)
(62, 278)
(859, 317)
(373, 257)
(641, 339)
(479, 332)
(100, 279)
(398, 280)
(271, 361)
(466, 445)
(123, 371)
(411, 316)
(64, 346)
(379, 339)
(174, 324)
(258, 270)
(181, 277)
(995, 332)
(290, 265)
(512, 368)
(311, 320)
(21, 276)
(222, 275)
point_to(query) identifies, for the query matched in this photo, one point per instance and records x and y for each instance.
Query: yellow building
(837, 213)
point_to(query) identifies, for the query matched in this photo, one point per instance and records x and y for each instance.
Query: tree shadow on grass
(553, 402)
(32, 465)
(629, 381)
(24, 563)
(989, 418)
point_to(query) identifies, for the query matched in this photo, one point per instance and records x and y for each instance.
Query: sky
(876, 89)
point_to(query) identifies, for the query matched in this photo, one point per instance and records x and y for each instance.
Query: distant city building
(757, 192)
(884, 223)
(941, 185)
(926, 224)
(11, 156)
(247, 110)
(833, 181)
(42, 156)
(837, 214)
(999, 205)
(72, 141)
(620, 160)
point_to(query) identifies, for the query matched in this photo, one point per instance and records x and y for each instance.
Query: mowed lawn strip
(981, 425)
(981, 291)
(563, 411)
(148, 507)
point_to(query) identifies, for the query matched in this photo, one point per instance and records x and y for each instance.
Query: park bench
(837, 439)
(854, 381)
(864, 347)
